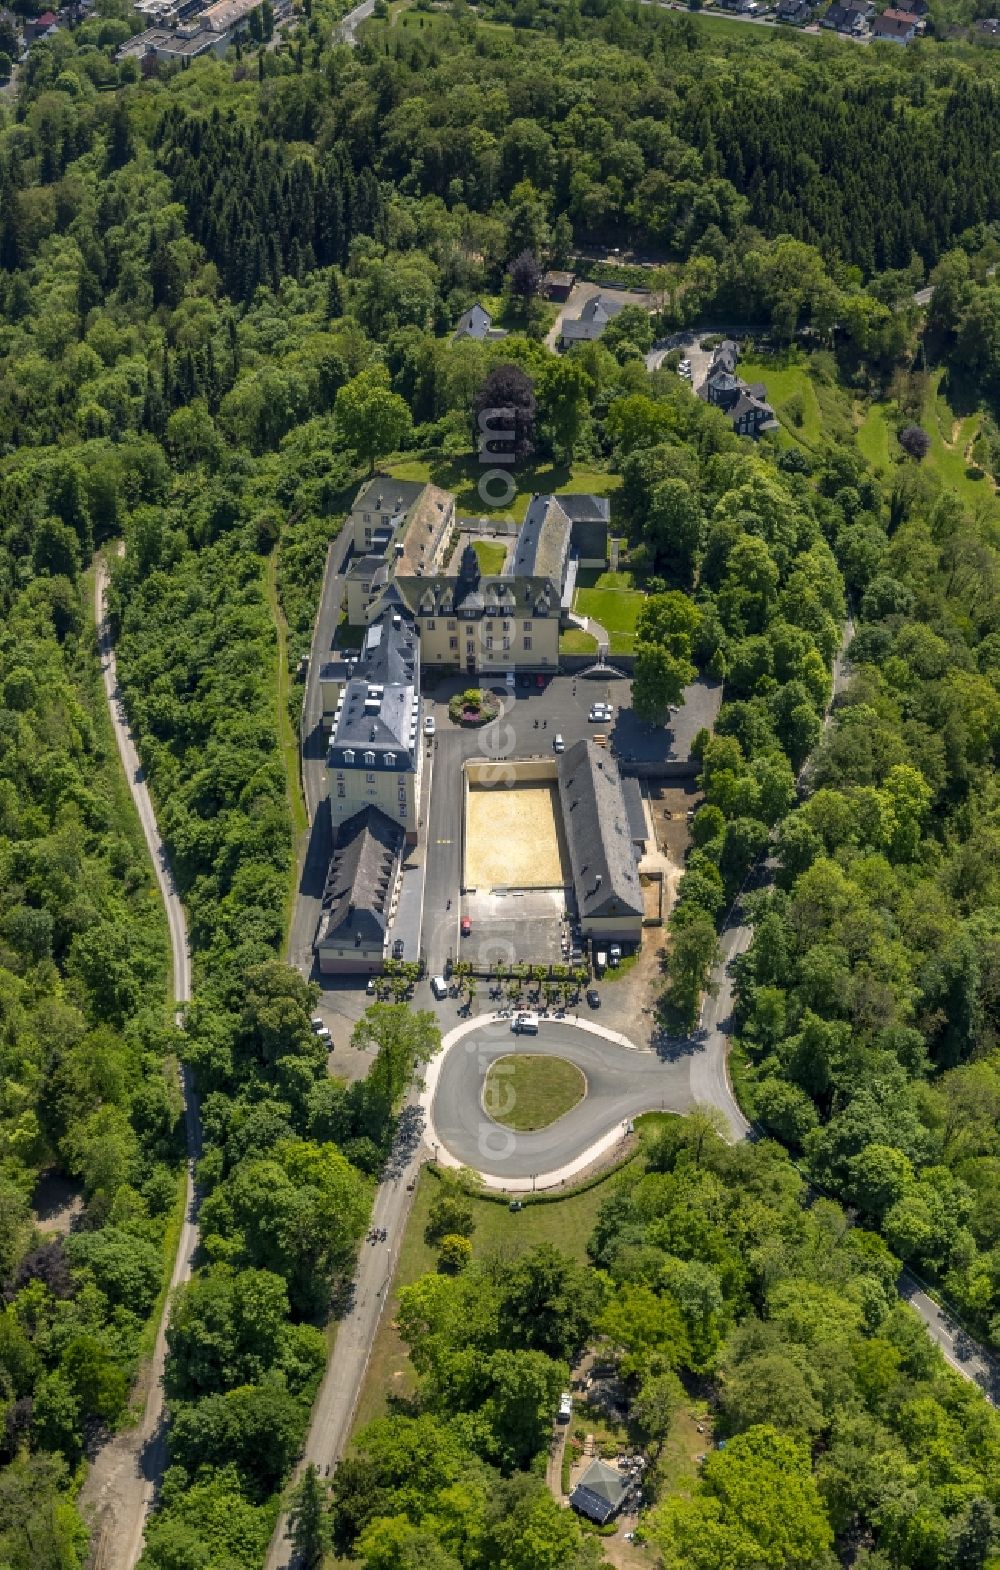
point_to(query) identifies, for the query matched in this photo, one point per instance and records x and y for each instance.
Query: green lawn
(950, 440)
(874, 436)
(611, 600)
(784, 383)
(490, 557)
(532, 1091)
(462, 476)
(575, 641)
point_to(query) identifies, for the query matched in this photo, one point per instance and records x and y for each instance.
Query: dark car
(397, 949)
(524, 681)
(516, 1205)
(594, 998)
(466, 926)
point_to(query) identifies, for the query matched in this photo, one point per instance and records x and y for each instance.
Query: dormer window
(349, 755)
(369, 760)
(390, 760)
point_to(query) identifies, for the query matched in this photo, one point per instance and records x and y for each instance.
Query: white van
(600, 962)
(525, 1024)
(439, 987)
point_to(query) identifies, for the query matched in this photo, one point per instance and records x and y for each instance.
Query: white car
(526, 1024)
(600, 713)
(558, 745)
(430, 725)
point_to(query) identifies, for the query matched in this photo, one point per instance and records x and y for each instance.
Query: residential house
(358, 895)
(745, 403)
(609, 898)
(988, 27)
(476, 323)
(599, 310)
(557, 285)
(918, 8)
(374, 757)
(852, 19)
(896, 27)
(600, 1493)
(795, 13)
(36, 27)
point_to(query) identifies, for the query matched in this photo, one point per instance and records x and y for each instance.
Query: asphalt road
(126, 1474)
(957, 1347)
(621, 1083)
(346, 29)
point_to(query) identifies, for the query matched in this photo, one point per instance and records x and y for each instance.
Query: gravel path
(126, 1473)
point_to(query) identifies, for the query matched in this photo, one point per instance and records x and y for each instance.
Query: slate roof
(439, 595)
(473, 323)
(726, 355)
(543, 541)
(595, 818)
(359, 882)
(592, 320)
(379, 713)
(599, 1493)
(385, 495)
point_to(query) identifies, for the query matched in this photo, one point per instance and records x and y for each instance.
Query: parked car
(594, 998)
(600, 962)
(439, 987)
(397, 949)
(557, 743)
(615, 954)
(317, 1023)
(325, 1036)
(516, 1205)
(370, 988)
(466, 926)
(539, 681)
(600, 713)
(524, 681)
(430, 725)
(525, 1024)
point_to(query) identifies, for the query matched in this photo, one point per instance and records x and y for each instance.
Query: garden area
(473, 707)
(610, 599)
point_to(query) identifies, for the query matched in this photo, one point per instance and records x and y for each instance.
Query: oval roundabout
(620, 1082)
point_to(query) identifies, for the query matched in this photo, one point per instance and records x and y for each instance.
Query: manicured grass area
(462, 476)
(490, 557)
(531, 1091)
(575, 641)
(610, 599)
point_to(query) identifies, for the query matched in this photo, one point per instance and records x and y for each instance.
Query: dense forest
(843, 1433)
(89, 1126)
(224, 292)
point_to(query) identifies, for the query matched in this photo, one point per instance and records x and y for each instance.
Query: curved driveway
(126, 1473)
(621, 1082)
